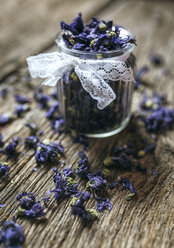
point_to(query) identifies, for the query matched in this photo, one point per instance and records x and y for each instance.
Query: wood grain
(146, 221)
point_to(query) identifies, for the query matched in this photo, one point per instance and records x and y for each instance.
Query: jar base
(110, 133)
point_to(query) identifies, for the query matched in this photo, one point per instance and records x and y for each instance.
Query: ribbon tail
(94, 84)
(113, 70)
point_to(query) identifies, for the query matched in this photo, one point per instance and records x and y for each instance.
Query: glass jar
(80, 111)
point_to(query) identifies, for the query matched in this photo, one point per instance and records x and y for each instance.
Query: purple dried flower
(21, 109)
(27, 200)
(28, 206)
(85, 196)
(67, 27)
(5, 118)
(12, 235)
(82, 168)
(78, 208)
(68, 172)
(21, 99)
(153, 103)
(127, 184)
(36, 211)
(64, 185)
(75, 27)
(41, 98)
(57, 124)
(57, 146)
(10, 148)
(4, 169)
(160, 119)
(103, 203)
(31, 142)
(48, 152)
(94, 36)
(40, 133)
(79, 46)
(77, 24)
(97, 182)
(53, 109)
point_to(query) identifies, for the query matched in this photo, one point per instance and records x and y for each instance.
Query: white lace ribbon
(92, 73)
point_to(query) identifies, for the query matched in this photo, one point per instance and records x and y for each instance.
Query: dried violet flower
(41, 98)
(153, 103)
(82, 168)
(4, 169)
(21, 99)
(5, 118)
(12, 235)
(48, 152)
(78, 208)
(53, 109)
(31, 142)
(161, 119)
(127, 184)
(10, 148)
(97, 181)
(64, 183)
(103, 203)
(57, 124)
(21, 109)
(95, 36)
(28, 206)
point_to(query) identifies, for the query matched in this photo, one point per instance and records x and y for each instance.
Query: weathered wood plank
(147, 220)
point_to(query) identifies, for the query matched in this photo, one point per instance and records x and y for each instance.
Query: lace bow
(92, 73)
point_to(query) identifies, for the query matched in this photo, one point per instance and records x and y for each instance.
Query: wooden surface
(28, 27)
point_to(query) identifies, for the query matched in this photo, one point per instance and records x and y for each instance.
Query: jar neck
(120, 54)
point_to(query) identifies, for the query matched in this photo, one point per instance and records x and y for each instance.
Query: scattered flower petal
(12, 235)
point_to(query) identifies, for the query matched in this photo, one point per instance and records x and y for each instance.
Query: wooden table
(29, 27)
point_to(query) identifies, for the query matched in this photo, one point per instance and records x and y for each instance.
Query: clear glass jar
(80, 111)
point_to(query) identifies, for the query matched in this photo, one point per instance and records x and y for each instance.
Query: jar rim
(97, 55)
